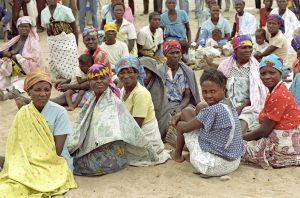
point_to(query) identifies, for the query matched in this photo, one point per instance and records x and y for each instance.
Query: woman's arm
(139, 121)
(188, 32)
(245, 104)
(264, 130)
(59, 143)
(186, 127)
(75, 30)
(82, 86)
(267, 52)
(131, 44)
(187, 94)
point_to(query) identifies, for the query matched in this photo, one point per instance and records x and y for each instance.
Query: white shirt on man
(148, 40)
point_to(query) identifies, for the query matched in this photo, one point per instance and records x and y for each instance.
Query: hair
(261, 31)
(215, 76)
(118, 3)
(217, 29)
(152, 14)
(86, 58)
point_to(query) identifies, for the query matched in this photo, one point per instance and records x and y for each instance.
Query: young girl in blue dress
(213, 136)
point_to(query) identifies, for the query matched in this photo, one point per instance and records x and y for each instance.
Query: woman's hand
(7, 54)
(258, 56)
(63, 87)
(239, 110)
(175, 119)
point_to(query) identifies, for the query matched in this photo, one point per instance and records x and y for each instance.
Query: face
(84, 67)
(128, 77)
(212, 3)
(171, 4)
(174, 55)
(212, 92)
(216, 35)
(244, 53)
(90, 42)
(148, 77)
(110, 36)
(40, 94)
(215, 11)
(239, 7)
(260, 39)
(268, 3)
(52, 2)
(273, 27)
(119, 11)
(282, 4)
(24, 29)
(270, 76)
(155, 21)
(99, 84)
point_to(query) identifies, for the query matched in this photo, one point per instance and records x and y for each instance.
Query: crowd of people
(137, 92)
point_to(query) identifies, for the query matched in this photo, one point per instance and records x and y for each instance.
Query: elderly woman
(244, 87)
(278, 43)
(137, 100)
(36, 141)
(155, 85)
(62, 38)
(105, 147)
(175, 23)
(276, 142)
(20, 56)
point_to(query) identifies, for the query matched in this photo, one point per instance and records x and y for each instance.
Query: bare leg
(61, 100)
(78, 98)
(177, 155)
(2, 159)
(244, 126)
(68, 94)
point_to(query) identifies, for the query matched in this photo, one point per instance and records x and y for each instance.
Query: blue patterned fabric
(295, 88)
(176, 86)
(215, 134)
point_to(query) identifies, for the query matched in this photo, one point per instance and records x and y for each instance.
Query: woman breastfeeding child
(213, 135)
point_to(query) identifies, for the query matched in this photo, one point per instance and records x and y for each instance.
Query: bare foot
(187, 157)
(177, 157)
(171, 137)
(70, 108)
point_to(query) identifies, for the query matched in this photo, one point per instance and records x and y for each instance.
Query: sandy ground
(172, 180)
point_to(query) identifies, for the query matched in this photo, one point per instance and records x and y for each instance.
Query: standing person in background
(265, 12)
(17, 5)
(93, 6)
(5, 18)
(157, 5)
(71, 4)
(41, 4)
(131, 5)
(257, 4)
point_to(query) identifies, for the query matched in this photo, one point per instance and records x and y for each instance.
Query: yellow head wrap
(110, 27)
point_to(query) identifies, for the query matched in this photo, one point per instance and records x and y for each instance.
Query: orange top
(281, 107)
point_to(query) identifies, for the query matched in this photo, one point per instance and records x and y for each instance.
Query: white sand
(170, 180)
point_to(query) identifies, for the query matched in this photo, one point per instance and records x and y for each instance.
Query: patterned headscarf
(111, 26)
(25, 20)
(97, 70)
(241, 40)
(34, 77)
(279, 20)
(89, 31)
(131, 62)
(171, 44)
(272, 61)
(296, 42)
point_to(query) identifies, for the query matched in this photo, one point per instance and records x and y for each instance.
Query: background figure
(157, 6)
(41, 4)
(227, 5)
(131, 5)
(71, 4)
(17, 6)
(83, 9)
(257, 4)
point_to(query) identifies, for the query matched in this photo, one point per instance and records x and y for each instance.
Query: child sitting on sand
(261, 44)
(216, 40)
(73, 96)
(214, 136)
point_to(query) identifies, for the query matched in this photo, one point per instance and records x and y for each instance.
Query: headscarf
(97, 70)
(279, 20)
(272, 61)
(241, 40)
(89, 31)
(34, 77)
(111, 26)
(25, 20)
(296, 42)
(171, 44)
(131, 62)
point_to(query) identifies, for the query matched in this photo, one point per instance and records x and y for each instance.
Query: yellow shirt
(139, 103)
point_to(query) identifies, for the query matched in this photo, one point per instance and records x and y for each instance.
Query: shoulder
(141, 90)
(56, 107)
(144, 30)
(121, 44)
(186, 69)
(250, 16)
(274, 11)
(281, 93)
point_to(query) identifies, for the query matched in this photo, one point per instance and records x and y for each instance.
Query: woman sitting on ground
(104, 148)
(244, 87)
(213, 136)
(276, 142)
(137, 100)
(20, 56)
(33, 164)
(155, 85)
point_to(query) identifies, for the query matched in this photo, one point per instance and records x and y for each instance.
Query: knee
(200, 106)
(187, 114)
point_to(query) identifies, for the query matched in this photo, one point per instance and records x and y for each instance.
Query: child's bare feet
(177, 157)
(171, 136)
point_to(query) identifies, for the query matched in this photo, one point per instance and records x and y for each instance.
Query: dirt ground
(171, 180)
